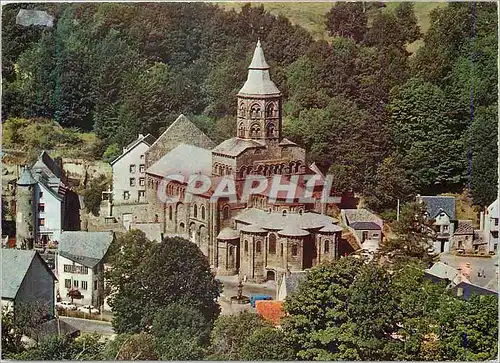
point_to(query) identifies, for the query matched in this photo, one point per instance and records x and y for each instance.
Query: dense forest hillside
(385, 122)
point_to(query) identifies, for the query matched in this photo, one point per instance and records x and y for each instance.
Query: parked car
(66, 305)
(254, 298)
(88, 309)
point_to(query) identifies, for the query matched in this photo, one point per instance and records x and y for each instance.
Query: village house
(441, 210)
(365, 226)
(81, 257)
(44, 204)
(27, 280)
(129, 172)
(259, 238)
(490, 225)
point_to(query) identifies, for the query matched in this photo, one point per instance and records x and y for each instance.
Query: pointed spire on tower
(259, 82)
(258, 60)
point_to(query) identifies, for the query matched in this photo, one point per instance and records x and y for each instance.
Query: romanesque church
(259, 238)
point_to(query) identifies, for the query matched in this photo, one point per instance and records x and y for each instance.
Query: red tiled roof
(270, 310)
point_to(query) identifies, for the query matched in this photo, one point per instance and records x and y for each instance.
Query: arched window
(283, 213)
(270, 110)
(156, 218)
(295, 251)
(220, 170)
(225, 212)
(242, 109)
(202, 212)
(282, 249)
(241, 130)
(272, 243)
(270, 130)
(255, 111)
(327, 246)
(255, 131)
(195, 211)
(246, 246)
(258, 247)
(170, 212)
(230, 250)
(301, 211)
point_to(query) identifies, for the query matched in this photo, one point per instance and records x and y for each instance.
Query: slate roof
(182, 130)
(48, 166)
(354, 216)
(367, 226)
(276, 221)
(464, 227)
(228, 234)
(253, 228)
(235, 146)
(26, 178)
(471, 289)
(85, 248)
(443, 271)
(292, 230)
(184, 159)
(148, 140)
(436, 204)
(330, 228)
(57, 327)
(15, 266)
(259, 82)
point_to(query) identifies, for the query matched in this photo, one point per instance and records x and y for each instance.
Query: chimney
(481, 221)
(141, 136)
(460, 292)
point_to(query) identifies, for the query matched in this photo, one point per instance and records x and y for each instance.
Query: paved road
(231, 289)
(476, 263)
(90, 326)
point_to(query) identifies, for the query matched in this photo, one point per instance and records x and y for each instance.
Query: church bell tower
(259, 103)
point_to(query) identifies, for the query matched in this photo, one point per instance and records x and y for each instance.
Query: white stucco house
(80, 266)
(490, 224)
(129, 172)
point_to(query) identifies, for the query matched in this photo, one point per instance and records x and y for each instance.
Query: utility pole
(397, 213)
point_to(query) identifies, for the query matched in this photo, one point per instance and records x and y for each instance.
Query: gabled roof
(368, 226)
(15, 266)
(470, 289)
(437, 204)
(148, 140)
(443, 271)
(47, 188)
(181, 131)
(48, 166)
(235, 146)
(184, 159)
(85, 247)
(361, 215)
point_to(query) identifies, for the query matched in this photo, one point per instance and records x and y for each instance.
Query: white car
(66, 305)
(88, 309)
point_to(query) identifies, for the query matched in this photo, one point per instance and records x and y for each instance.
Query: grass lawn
(310, 15)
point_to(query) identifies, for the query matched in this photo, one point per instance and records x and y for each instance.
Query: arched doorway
(271, 275)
